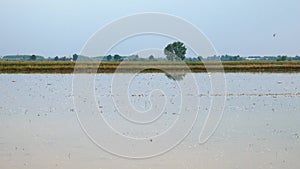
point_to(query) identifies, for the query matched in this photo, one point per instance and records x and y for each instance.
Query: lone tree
(75, 57)
(117, 57)
(151, 57)
(200, 58)
(32, 57)
(108, 58)
(175, 51)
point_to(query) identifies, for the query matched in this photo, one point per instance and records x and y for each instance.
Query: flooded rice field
(43, 126)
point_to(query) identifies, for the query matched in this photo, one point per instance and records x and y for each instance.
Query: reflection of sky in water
(260, 127)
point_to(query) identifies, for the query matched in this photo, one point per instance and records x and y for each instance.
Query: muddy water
(260, 126)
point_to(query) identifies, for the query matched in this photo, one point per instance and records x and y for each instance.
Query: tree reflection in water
(175, 76)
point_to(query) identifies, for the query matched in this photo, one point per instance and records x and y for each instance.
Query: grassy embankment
(150, 67)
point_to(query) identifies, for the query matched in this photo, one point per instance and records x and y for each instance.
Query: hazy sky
(61, 27)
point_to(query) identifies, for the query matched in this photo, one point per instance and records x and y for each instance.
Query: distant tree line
(174, 52)
(171, 57)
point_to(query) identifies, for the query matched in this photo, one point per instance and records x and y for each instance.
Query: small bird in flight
(274, 35)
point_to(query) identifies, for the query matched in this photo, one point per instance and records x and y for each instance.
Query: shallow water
(259, 128)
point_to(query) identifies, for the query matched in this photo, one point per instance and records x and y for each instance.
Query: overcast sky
(61, 27)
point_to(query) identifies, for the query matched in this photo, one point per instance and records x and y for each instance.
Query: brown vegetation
(149, 67)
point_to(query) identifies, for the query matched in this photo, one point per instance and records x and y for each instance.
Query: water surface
(259, 129)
